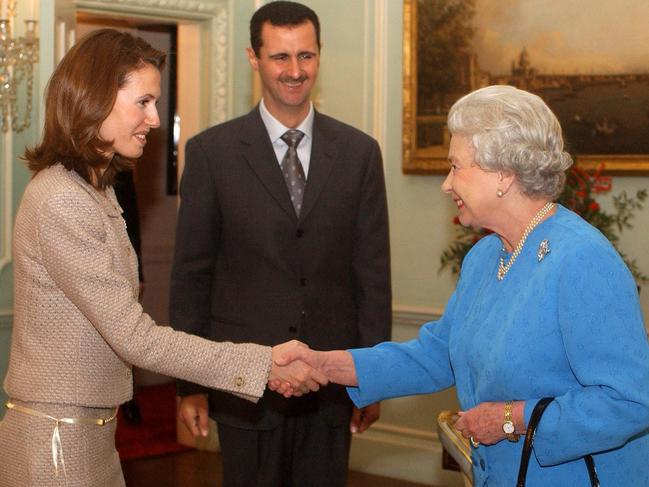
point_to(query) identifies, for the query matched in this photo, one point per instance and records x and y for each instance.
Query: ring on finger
(474, 444)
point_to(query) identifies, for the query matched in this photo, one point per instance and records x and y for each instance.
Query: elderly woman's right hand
(484, 423)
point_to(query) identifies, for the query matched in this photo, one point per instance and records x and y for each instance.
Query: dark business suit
(247, 269)
(124, 187)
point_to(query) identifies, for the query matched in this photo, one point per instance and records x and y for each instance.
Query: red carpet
(156, 434)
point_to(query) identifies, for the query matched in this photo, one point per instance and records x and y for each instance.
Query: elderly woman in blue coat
(544, 307)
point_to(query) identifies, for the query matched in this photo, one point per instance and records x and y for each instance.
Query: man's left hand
(364, 417)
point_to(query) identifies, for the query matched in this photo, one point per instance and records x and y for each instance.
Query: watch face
(508, 427)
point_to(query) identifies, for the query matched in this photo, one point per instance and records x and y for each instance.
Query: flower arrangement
(579, 196)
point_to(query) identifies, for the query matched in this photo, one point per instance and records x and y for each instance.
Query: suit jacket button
(239, 382)
(303, 282)
(292, 329)
(299, 233)
(128, 373)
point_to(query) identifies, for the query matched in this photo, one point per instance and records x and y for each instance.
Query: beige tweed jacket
(78, 326)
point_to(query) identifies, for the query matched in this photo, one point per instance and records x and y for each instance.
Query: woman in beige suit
(78, 326)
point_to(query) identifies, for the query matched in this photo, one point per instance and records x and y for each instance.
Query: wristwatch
(508, 424)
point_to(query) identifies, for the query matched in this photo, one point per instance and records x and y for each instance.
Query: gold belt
(57, 448)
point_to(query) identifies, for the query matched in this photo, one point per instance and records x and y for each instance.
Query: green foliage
(579, 196)
(453, 256)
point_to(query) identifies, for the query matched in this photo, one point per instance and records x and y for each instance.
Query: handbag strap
(529, 444)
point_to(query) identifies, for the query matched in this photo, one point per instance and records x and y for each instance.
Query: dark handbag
(529, 443)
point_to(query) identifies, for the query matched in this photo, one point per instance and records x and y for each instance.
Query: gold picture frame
(431, 158)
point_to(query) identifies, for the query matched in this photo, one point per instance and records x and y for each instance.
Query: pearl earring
(499, 193)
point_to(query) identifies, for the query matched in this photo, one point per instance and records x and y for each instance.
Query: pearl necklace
(502, 268)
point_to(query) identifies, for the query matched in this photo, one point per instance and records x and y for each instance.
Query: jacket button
(303, 282)
(292, 329)
(299, 232)
(239, 382)
(482, 463)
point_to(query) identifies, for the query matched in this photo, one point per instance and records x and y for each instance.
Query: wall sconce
(18, 55)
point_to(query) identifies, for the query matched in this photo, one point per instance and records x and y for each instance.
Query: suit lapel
(258, 152)
(323, 156)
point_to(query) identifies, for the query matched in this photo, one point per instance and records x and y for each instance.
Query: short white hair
(514, 131)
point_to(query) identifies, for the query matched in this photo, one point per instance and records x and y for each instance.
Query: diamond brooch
(544, 249)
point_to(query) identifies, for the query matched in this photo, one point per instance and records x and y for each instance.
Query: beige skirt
(88, 451)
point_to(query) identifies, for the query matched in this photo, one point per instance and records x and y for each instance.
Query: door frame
(205, 25)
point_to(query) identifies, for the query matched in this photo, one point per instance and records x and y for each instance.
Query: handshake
(298, 370)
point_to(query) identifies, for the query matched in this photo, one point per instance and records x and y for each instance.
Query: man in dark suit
(282, 234)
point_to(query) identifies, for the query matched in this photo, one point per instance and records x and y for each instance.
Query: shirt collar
(276, 129)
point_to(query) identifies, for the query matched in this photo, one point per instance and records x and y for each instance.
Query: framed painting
(592, 70)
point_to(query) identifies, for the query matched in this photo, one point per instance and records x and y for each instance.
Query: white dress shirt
(276, 129)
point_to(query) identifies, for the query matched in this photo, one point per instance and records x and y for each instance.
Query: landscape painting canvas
(588, 59)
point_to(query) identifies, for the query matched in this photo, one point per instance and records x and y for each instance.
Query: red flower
(602, 184)
(581, 177)
(598, 171)
(593, 206)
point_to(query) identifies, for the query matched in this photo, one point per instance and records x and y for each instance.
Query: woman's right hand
(294, 377)
(336, 365)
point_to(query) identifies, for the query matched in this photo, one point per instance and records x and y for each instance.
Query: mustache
(290, 79)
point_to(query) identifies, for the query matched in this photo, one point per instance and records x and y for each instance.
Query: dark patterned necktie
(292, 169)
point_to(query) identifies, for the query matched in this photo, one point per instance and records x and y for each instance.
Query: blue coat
(567, 326)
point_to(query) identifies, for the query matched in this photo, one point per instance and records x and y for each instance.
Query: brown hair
(79, 97)
(281, 14)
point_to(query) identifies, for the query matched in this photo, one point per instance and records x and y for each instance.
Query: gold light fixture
(18, 55)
